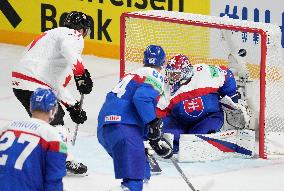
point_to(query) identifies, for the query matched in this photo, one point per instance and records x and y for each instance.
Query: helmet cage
(180, 72)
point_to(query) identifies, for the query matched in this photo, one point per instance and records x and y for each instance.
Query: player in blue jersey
(192, 105)
(32, 154)
(128, 117)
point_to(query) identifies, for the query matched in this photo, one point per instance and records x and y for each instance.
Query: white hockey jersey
(48, 62)
(205, 81)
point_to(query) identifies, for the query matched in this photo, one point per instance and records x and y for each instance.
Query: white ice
(225, 175)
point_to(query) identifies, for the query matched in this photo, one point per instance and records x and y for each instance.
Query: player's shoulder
(151, 78)
(147, 72)
(46, 131)
(66, 33)
(207, 68)
(202, 67)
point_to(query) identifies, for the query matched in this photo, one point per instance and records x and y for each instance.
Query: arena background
(21, 21)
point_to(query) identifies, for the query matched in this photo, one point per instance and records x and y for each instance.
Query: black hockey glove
(77, 115)
(84, 82)
(162, 148)
(155, 129)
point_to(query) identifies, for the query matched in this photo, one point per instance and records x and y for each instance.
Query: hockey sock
(133, 184)
(147, 172)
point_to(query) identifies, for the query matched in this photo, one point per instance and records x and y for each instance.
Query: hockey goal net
(210, 40)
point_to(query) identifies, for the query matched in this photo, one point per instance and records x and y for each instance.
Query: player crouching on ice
(128, 117)
(50, 61)
(192, 103)
(32, 152)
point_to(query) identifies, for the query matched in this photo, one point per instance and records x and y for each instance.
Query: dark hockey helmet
(77, 20)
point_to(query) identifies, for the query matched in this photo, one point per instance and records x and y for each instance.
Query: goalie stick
(77, 125)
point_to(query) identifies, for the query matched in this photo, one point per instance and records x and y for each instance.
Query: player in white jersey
(32, 153)
(50, 61)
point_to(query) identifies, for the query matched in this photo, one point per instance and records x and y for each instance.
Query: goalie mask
(178, 71)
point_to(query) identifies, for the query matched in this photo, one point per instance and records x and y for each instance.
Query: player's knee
(58, 118)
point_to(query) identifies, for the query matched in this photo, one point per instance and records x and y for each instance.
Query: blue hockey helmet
(43, 100)
(154, 56)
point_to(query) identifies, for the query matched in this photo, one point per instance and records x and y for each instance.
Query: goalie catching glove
(155, 129)
(162, 148)
(237, 114)
(77, 115)
(84, 82)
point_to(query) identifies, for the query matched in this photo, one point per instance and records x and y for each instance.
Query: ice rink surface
(225, 175)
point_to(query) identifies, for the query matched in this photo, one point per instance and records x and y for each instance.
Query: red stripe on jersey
(51, 145)
(224, 68)
(138, 79)
(162, 113)
(28, 78)
(190, 95)
(54, 146)
(36, 40)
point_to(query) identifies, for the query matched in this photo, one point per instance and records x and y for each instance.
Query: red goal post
(197, 37)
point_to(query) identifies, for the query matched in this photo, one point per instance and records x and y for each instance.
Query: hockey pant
(124, 143)
(24, 97)
(210, 124)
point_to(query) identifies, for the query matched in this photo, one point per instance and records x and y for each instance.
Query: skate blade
(70, 174)
(155, 173)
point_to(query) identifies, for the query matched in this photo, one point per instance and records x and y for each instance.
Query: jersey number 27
(10, 138)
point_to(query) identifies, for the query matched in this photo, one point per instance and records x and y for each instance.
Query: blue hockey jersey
(32, 157)
(194, 101)
(133, 100)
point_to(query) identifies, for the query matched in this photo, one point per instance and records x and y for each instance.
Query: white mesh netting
(200, 38)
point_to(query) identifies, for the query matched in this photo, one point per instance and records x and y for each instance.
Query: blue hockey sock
(147, 172)
(133, 184)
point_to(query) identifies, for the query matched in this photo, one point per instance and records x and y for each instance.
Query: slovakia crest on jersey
(193, 107)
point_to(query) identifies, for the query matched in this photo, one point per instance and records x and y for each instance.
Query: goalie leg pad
(227, 144)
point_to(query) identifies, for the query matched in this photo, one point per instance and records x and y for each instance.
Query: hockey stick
(174, 161)
(182, 174)
(77, 125)
(154, 165)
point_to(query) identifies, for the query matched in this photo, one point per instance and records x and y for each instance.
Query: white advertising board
(253, 10)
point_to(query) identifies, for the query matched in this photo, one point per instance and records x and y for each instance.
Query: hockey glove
(162, 148)
(155, 129)
(84, 82)
(77, 115)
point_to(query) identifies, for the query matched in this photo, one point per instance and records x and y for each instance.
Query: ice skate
(76, 168)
